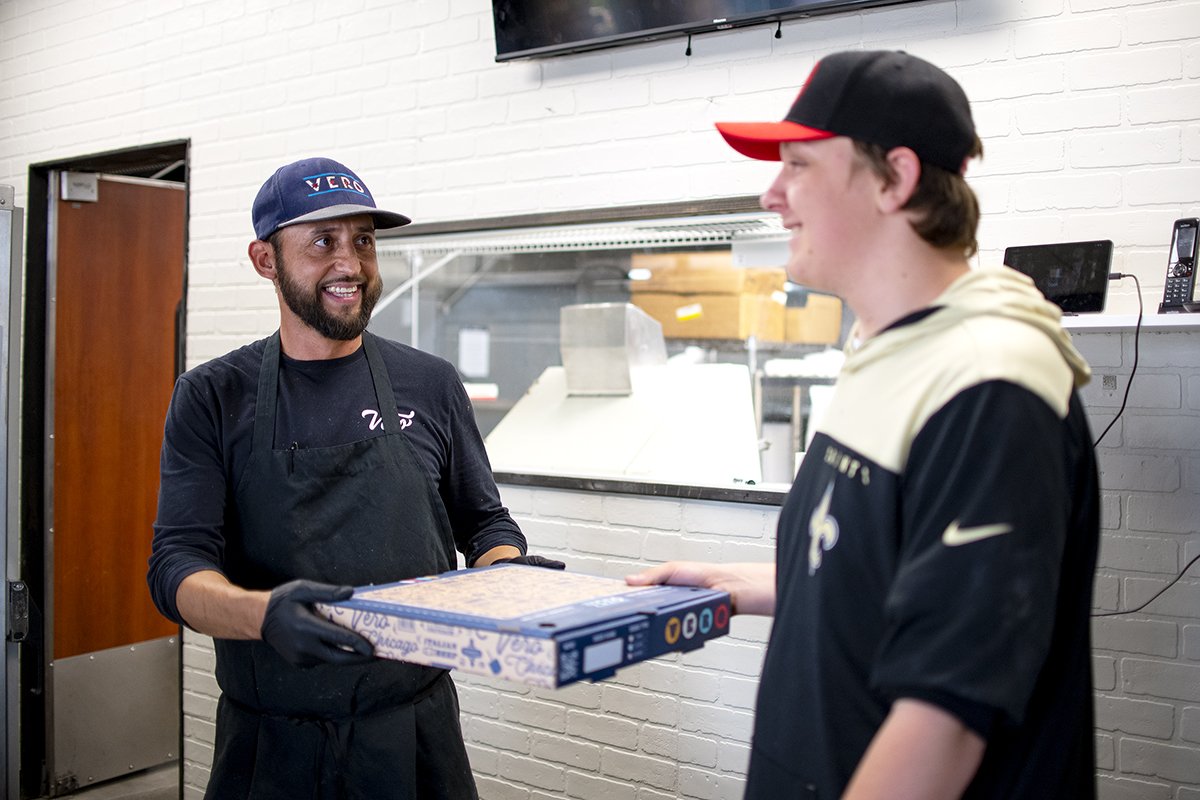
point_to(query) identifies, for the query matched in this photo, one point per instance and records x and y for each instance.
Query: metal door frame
(33, 468)
(11, 270)
(49, 345)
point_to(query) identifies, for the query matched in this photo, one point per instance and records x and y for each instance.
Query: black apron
(353, 514)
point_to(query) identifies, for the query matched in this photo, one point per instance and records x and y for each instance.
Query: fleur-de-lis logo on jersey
(822, 531)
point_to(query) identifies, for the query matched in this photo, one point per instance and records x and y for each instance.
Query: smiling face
(826, 199)
(328, 275)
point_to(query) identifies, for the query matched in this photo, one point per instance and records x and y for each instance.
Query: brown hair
(951, 210)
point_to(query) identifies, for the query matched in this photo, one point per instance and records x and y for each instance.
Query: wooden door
(118, 280)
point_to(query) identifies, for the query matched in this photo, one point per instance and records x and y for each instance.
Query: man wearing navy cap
(933, 575)
(296, 467)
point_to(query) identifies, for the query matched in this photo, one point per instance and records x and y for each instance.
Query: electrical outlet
(1108, 383)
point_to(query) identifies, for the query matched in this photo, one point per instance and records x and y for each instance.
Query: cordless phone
(1179, 287)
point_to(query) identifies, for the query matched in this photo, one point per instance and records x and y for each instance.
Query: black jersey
(209, 428)
(939, 543)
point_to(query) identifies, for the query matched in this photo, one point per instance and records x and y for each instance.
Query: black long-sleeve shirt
(209, 430)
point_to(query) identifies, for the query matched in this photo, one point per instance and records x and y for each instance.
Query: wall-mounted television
(537, 28)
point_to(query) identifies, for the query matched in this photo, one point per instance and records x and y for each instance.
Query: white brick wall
(1087, 107)
(1090, 112)
(1147, 680)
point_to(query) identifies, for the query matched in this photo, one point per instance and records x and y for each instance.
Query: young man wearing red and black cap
(933, 576)
(303, 464)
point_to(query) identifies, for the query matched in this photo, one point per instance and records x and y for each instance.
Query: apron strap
(388, 410)
(268, 388)
(383, 384)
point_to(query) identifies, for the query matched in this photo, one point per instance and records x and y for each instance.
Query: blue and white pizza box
(531, 625)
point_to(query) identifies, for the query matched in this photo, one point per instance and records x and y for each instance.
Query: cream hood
(992, 291)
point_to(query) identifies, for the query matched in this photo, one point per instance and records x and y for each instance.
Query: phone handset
(1180, 283)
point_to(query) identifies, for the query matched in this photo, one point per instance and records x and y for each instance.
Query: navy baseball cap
(883, 97)
(315, 189)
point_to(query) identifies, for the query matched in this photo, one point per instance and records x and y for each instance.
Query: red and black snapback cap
(883, 97)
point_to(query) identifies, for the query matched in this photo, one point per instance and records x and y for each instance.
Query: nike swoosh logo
(954, 536)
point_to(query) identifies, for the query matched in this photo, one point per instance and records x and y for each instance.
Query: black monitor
(535, 28)
(1072, 275)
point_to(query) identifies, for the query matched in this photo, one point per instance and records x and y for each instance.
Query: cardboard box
(817, 322)
(700, 259)
(703, 273)
(531, 625)
(715, 316)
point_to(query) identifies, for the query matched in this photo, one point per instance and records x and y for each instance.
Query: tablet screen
(1072, 275)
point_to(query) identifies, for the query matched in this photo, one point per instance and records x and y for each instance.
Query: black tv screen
(534, 28)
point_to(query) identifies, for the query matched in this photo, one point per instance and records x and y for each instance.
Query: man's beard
(307, 306)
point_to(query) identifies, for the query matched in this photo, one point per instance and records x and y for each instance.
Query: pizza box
(531, 625)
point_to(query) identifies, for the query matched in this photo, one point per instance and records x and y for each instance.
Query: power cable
(1157, 594)
(1137, 332)
(1115, 276)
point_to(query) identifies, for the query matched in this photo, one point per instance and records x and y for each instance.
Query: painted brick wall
(1090, 113)
(1147, 665)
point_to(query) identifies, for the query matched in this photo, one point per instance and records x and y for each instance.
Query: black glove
(305, 639)
(533, 561)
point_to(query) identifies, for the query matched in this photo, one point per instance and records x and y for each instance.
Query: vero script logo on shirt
(375, 422)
